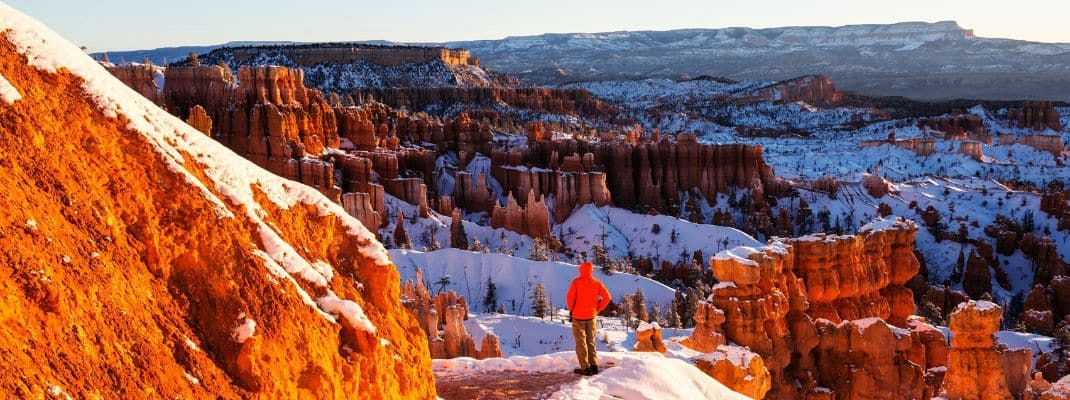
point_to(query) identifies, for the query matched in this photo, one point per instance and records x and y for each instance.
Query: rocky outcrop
(793, 303)
(853, 277)
(974, 370)
(1049, 143)
(1035, 115)
(738, 369)
(141, 259)
(532, 220)
(442, 319)
(875, 185)
(813, 89)
(971, 149)
(825, 184)
(921, 146)
(458, 237)
(648, 338)
(867, 359)
(200, 120)
(707, 335)
(1053, 201)
(956, 126)
(143, 78)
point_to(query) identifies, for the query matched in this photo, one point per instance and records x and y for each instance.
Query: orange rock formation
(974, 370)
(134, 268)
(648, 338)
(442, 319)
(737, 368)
(1036, 115)
(786, 302)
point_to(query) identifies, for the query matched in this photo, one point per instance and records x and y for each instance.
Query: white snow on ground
(633, 376)
(1037, 343)
(229, 175)
(631, 234)
(514, 278)
(530, 336)
(627, 233)
(8, 93)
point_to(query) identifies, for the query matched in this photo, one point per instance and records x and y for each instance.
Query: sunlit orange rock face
(811, 305)
(739, 369)
(974, 370)
(121, 278)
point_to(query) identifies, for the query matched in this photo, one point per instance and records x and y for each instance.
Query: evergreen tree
(501, 309)
(540, 306)
(824, 217)
(639, 305)
(193, 59)
(690, 305)
(104, 58)
(490, 300)
(540, 250)
(601, 259)
(626, 310)
(1028, 223)
(673, 317)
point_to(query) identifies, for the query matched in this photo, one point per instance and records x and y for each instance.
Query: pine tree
(639, 305)
(626, 310)
(673, 317)
(490, 300)
(540, 250)
(501, 309)
(104, 58)
(601, 258)
(654, 314)
(687, 314)
(540, 307)
(193, 59)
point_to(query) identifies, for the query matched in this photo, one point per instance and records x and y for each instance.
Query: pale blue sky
(139, 24)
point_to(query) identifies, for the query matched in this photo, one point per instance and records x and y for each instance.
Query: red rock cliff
(140, 259)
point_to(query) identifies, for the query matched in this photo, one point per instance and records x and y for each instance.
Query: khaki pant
(586, 352)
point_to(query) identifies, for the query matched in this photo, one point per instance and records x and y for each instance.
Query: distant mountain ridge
(921, 60)
(932, 61)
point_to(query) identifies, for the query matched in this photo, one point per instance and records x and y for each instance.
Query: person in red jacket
(586, 298)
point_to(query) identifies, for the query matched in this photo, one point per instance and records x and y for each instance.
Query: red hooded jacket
(587, 296)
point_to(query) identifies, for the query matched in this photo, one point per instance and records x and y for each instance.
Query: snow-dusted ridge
(230, 175)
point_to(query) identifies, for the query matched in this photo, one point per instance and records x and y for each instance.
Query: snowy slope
(631, 234)
(514, 278)
(635, 376)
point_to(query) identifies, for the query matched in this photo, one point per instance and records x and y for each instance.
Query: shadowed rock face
(130, 274)
(442, 319)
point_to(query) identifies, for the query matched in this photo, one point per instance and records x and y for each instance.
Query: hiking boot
(580, 371)
(592, 370)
